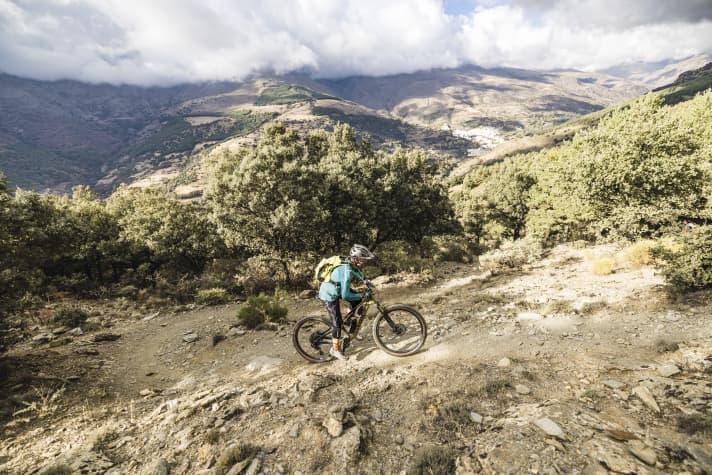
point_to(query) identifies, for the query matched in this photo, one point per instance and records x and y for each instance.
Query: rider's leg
(354, 304)
(335, 313)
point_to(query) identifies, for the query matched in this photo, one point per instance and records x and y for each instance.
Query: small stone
(235, 331)
(613, 384)
(595, 469)
(161, 468)
(294, 431)
(145, 392)
(76, 332)
(239, 467)
(307, 294)
(254, 467)
(151, 317)
(346, 448)
(279, 468)
(550, 427)
(190, 337)
(522, 389)
(60, 330)
(42, 338)
(333, 427)
(643, 452)
(668, 370)
(646, 396)
(476, 418)
(106, 337)
(529, 316)
(504, 362)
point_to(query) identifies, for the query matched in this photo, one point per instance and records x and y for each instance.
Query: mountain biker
(338, 286)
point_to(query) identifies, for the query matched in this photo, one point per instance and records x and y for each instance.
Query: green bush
(128, 291)
(512, 255)
(214, 296)
(261, 308)
(450, 248)
(396, 256)
(687, 265)
(431, 460)
(69, 316)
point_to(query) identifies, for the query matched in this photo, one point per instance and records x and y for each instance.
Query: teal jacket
(339, 284)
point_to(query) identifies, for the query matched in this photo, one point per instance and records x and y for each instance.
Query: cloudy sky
(170, 41)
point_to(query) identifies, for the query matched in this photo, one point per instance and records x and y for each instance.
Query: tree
(166, 231)
(268, 200)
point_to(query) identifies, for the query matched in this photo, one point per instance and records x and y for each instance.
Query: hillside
(658, 74)
(683, 88)
(58, 134)
(550, 369)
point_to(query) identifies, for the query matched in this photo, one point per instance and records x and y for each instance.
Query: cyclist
(338, 287)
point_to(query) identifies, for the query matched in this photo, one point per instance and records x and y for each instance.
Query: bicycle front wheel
(312, 339)
(400, 330)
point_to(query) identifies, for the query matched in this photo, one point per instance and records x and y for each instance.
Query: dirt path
(552, 341)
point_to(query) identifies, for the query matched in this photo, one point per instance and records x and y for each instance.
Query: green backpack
(326, 266)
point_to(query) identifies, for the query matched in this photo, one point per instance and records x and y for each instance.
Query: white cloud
(169, 41)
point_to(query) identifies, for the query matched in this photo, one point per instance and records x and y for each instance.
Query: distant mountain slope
(685, 87)
(470, 97)
(57, 134)
(660, 73)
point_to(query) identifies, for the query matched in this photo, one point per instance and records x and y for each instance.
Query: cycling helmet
(361, 252)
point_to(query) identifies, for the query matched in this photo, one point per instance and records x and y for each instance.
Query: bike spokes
(312, 339)
(401, 331)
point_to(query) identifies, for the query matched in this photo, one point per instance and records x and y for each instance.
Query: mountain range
(54, 135)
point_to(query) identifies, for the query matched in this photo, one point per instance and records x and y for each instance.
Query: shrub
(221, 273)
(688, 264)
(234, 455)
(69, 316)
(128, 291)
(214, 296)
(451, 248)
(258, 274)
(397, 256)
(603, 266)
(260, 308)
(639, 255)
(432, 459)
(695, 424)
(212, 436)
(512, 255)
(663, 345)
(59, 469)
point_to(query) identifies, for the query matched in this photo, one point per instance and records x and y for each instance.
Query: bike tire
(312, 339)
(415, 330)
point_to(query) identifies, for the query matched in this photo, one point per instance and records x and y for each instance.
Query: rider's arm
(347, 275)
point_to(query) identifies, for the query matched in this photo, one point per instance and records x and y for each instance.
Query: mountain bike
(399, 330)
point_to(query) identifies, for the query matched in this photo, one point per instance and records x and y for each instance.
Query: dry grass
(589, 308)
(212, 436)
(47, 402)
(59, 469)
(493, 387)
(638, 254)
(432, 460)
(695, 424)
(663, 345)
(603, 266)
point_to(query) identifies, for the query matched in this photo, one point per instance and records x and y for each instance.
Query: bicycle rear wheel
(312, 339)
(400, 330)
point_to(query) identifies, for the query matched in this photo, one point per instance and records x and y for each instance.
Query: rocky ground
(547, 370)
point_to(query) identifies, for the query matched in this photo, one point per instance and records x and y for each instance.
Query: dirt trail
(504, 352)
